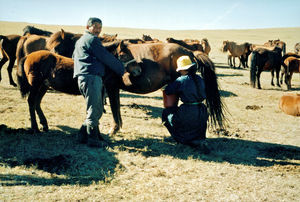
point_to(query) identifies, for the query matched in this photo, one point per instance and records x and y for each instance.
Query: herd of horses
(44, 61)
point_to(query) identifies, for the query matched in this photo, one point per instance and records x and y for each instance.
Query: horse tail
(253, 68)
(22, 79)
(20, 49)
(214, 102)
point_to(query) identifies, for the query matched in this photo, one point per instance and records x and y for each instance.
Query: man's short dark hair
(92, 21)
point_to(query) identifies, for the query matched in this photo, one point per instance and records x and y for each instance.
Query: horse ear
(62, 34)
(122, 45)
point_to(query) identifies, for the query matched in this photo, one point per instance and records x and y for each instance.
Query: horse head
(225, 46)
(125, 56)
(63, 43)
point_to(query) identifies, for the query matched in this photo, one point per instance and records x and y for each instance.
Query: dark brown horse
(42, 69)
(33, 30)
(8, 46)
(158, 64)
(263, 60)
(193, 46)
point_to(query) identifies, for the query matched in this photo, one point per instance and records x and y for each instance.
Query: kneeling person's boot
(93, 138)
(82, 136)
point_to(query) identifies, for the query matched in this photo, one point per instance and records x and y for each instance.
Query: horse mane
(59, 36)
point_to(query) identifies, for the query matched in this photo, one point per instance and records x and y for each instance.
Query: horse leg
(233, 61)
(9, 70)
(2, 62)
(290, 81)
(277, 76)
(32, 105)
(38, 99)
(114, 99)
(272, 79)
(258, 78)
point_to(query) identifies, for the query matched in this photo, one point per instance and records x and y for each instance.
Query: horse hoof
(13, 84)
(34, 131)
(113, 130)
(45, 129)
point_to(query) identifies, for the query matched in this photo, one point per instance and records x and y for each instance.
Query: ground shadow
(153, 112)
(140, 96)
(55, 152)
(234, 151)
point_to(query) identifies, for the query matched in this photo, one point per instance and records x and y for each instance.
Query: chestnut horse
(8, 47)
(284, 67)
(30, 43)
(262, 60)
(42, 69)
(290, 104)
(292, 65)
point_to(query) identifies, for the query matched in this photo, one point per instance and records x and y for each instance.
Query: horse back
(290, 104)
(293, 64)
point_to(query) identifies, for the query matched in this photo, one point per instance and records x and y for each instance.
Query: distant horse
(297, 48)
(235, 50)
(148, 38)
(283, 65)
(42, 69)
(206, 46)
(8, 46)
(292, 65)
(277, 42)
(33, 30)
(262, 60)
(290, 104)
(30, 43)
(108, 38)
(193, 46)
(158, 64)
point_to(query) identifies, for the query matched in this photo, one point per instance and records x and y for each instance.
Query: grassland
(257, 158)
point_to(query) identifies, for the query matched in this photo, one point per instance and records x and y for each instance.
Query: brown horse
(30, 43)
(292, 65)
(63, 42)
(262, 60)
(206, 46)
(42, 69)
(235, 50)
(8, 47)
(193, 46)
(278, 43)
(158, 64)
(290, 104)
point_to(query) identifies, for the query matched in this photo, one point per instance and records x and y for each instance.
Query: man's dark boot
(93, 138)
(82, 136)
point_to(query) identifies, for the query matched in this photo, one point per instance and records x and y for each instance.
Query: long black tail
(215, 105)
(22, 79)
(253, 68)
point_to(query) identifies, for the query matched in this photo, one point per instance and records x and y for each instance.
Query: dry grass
(256, 159)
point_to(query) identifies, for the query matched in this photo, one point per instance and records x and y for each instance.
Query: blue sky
(157, 14)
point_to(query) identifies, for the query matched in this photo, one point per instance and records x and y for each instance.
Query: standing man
(90, 61)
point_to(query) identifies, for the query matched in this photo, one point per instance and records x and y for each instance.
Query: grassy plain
(257, 158)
